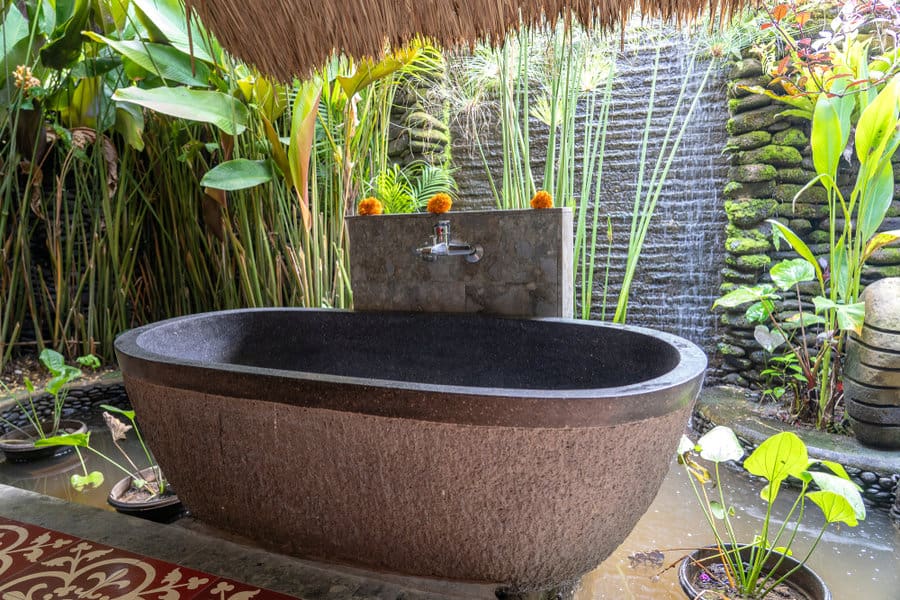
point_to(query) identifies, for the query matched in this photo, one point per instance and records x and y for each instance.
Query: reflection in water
(855, 562)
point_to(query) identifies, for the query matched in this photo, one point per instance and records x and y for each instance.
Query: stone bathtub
(516, 452)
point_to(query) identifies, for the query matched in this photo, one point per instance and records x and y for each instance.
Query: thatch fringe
(289, 38)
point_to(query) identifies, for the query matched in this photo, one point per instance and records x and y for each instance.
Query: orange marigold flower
(439, 203)
(542, 199)
(370, 206)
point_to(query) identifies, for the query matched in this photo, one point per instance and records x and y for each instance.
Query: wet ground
(861, 562)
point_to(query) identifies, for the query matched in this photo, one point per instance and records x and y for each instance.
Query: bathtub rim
(610, 405)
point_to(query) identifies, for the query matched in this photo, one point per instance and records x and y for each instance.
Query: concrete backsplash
(525, 271)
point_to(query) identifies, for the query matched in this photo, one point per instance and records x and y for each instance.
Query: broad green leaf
(827, 138)
(88, 360)
(367, 71)
(127, 413)
(835, 507)
(799, 247)
(740, 295)
(789, 273)
(92, 480)
(842, 487)
(777, 457)
(880, 240)
(798, 320)
(64, 44)
(78, 440)
(52, 360)
(875, 199)
(303, 133)
(770, 340)
(130, 124)
(759, 311)
(222, 110)
(720, 444)
(166, 21)
(877, 122)
(836, 468)
(238, 174)
(165, 61)
(717, 510)
(850, 317)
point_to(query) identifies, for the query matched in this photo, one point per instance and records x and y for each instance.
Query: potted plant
(18, 444)
(764, 566)
(144, 491)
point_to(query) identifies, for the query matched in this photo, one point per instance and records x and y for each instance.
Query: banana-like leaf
(880, 240)
(238, 174)
(165, 20)
(130, 125)
(64, 43)
(163, 60)
(303, 133)
(831, 128)
(367, 71)
(224, 111)
(804, 103)
(877, 123)
(799, 247)
(875, 201)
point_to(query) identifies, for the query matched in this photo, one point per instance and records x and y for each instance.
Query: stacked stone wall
(770, 163)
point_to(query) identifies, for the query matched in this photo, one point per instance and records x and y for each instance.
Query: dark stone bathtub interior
(463, 350)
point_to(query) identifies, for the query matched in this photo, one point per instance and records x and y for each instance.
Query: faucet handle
(442, 232)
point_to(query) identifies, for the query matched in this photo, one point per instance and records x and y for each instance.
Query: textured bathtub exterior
(511, 498)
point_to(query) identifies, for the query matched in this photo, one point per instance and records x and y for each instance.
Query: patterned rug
(42, 564)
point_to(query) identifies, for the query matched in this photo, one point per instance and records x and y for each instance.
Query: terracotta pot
(160, 509)
(19, 447)
(805, 581)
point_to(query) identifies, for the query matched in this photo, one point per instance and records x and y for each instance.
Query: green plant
(61, 376)
(155, 485)
(782, 374)
(407, 189)
(777, 458)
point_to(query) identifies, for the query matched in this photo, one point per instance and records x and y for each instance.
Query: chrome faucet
(443, 245)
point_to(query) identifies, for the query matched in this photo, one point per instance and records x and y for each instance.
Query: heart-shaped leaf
(789, 273)
(835, 507)
(720, 444)
(770, 340)
(92, 480)
(844, 488)
(777, 457)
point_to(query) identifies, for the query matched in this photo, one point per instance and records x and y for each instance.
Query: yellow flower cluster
(542, 199)
(439, 203)
(369, 206)
(25, 79)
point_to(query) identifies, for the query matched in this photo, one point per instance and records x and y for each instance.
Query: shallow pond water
(861, 562)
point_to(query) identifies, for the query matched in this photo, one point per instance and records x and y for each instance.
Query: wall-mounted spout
(443, 245)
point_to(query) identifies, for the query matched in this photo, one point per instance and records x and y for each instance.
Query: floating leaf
(93, 480)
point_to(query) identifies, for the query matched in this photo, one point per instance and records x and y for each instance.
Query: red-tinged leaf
(804, 42)
(802, 18)
(780, 12)
(765, 26)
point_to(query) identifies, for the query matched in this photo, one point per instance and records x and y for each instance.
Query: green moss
(749, 102)
(750, 263)
(761, 118)
(748, 141)
(795, 175)
(746, 213)
(751, 173)
(779, 156)
(733, 276)
(885, 256)
(730, 350)
(879, 271)
(791, 137)
(787, 192)
(801, 210)
(747, 245)
(818, 237)
(800, 226)
(737, 189)
(748, 67)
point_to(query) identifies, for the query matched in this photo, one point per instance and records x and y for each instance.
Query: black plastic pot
(19, 447)
(805, 580)
(162, 509)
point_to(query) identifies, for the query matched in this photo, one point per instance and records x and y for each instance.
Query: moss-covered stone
(878, 271)
(747, 213)
(736, 379)
(779, 156)
(748, 67)
(740, 245)
(818, 237)
(894, 209)
(751, 173)
(749, 263)
(736, 87)
(801, 210)
(800, 226)
(796, 175)
(748, 102)
(786, 192)
(737, 190)
(761, 118)
(730, 350)
(792, 136)
(748, 141)
(733, 276)
(726, 287)
(885, 256)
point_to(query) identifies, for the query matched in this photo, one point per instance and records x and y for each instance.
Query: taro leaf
(770, 340)
(720, 444)
(78, 440)
(760, 311)
(742, 295)
(799, 247)
(92, 480)
(836, 468)
(835, 507)
(717, 509)
(843, 488)
(238, 174)
(777, 457)
(129, 414)
(789, 273)
(850, 317)
(160, 59)
(797, 320)
(88, 360)
(52, 360)
(222, 110)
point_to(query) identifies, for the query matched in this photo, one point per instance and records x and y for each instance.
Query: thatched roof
(293, 37)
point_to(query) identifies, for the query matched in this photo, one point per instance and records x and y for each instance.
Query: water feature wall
(771, 162)
(679, 273)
